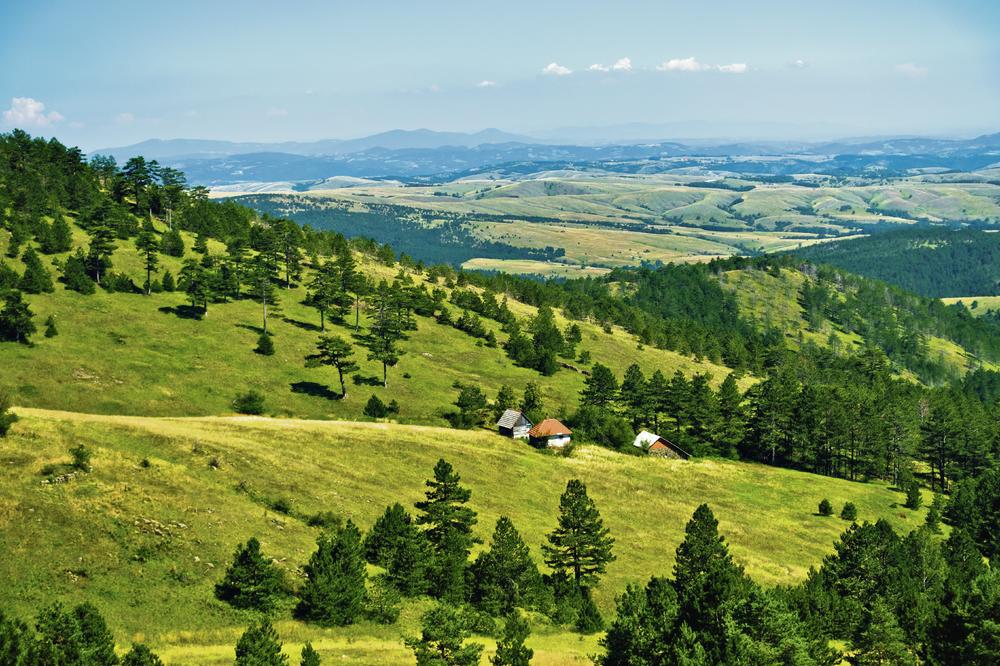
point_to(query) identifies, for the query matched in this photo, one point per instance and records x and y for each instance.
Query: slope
(132, 534)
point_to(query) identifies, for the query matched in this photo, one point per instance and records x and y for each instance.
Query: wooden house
(550, 433)
(514, 424)
(654, 445)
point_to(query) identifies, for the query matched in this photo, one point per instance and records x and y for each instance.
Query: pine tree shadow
(302, 324)
(183, 311)
(315, 389)
(363, 380)
(250, 327)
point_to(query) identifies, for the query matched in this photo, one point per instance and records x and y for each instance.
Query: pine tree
(505, 576)
(386, 329)
(731, 415)
(59, 237)
(442, 640)
(336, 352)
(849, 512)
(251, 581)
(50, 327)
(934, 512)
(309, 656)
(449, 526)
(825, 508)
(389, 529)
(265, 345)
(141, 655)
(75, 275)
(883, 642)
(259, 646)
(635, 396)
(97, 644)
(511, 650)
(532, 405)
(505, 400)
(657, 388)
(580, 544)
(600, 388)
(172, 244)
(196, 281)
(102, 245)
(334, 592)
(15, 319)
(148, 246)
(168, 281)
(913, 497)
(36, 278)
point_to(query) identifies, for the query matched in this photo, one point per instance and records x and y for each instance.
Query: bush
(50, 327)
(265, 345)
(825, 508)
(324, 519)
(382, 602)
(281, 505)
(375, 408)
(251, 402)
(913, 497)
(597, 425)
(81, 458)
(849, 512)
(7, 418)
(168, 282)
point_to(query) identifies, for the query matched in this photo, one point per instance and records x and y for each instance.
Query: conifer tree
(336, 352)
(385, 535)
(732, 417)
(635, 396)
(141, 655)
(309, 656)
(168, 281)
(59, 237)
(442, 639)
(883, 642)
(511, 650)
(532, 404)
(386, 329)
(75, 275)
(657, 388)
(259, 646)
(96, 640)
(50, 327)
(102, 245)
(449, 526)
(505, 400)
(251, 581)
(196, 281)
(334, 592)
(148, 247)
(505, 576)
(36, 278)
(600, 388)
(265, 345)
(15, 319)
(171, 243)
(580, 544)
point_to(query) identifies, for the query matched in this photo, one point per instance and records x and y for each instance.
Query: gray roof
(511, 418)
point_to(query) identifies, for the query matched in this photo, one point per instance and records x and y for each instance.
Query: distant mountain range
(426, 155)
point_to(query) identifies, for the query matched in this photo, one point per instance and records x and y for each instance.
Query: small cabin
(514, 424)
(654, 445)
(550, 433)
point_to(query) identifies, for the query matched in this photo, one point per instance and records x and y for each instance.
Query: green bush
(81, 458)
(265, 345)
(251, 402)
(849, 512)
(375, 408)
(825, 508)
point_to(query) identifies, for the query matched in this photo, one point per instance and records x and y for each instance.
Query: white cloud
(799, 63)
(682, 65)
(556, 69)
(599, 68)
(486, 83)
(125, 118)
(28, 112)
(692, 64)
(733, 68)
(912, 70)
(622, 65)
(276, 113)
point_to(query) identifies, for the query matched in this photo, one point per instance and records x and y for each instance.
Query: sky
(102, 74)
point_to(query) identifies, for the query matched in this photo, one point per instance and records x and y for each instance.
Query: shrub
(168, 282)
(382, 602)
(849, 512)
(281, 505)
(265, 345)
(7, 418)
(375, 408)
(325, 519)
(50, 327)
(81, 458)
(913, 497)
(825, 508)
(251, 402)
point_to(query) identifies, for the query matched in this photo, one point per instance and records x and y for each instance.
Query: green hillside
(127, 536)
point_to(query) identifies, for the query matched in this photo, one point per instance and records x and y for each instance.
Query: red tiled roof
(548, 428)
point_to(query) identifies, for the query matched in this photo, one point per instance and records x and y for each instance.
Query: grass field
(129, 538)
(982, 303)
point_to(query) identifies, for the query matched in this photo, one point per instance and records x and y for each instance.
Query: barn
(550, 433)
(661, 447)
(514, 424)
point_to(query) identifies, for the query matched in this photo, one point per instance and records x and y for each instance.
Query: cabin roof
(549, 428)
(511, 418)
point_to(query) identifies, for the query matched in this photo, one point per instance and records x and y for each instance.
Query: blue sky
(109, 73)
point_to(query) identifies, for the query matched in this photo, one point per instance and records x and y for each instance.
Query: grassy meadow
(147, 543)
